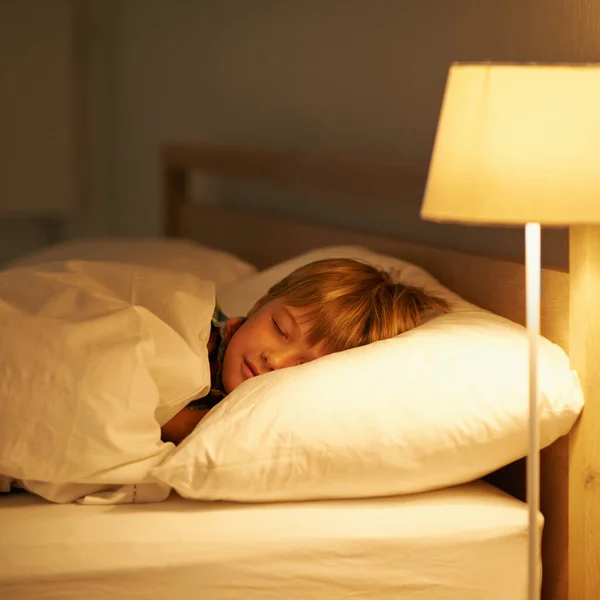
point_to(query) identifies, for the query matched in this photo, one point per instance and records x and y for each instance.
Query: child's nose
(280, 360)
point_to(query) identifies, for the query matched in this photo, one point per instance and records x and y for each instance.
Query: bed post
(584, 441)
(175, 183)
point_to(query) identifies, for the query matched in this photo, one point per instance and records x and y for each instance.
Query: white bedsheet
(462, 543)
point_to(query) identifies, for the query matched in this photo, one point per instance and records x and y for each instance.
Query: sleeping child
(323, 307)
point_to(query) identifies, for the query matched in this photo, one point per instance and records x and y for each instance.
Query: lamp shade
(517, 144)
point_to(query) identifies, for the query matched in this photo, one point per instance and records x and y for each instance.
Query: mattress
(463, 543)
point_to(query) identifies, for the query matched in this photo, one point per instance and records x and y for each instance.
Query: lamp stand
(533, 293)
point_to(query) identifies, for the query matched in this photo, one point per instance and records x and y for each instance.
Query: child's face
(273, 337)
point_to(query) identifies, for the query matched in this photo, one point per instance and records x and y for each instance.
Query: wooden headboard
(570, 486)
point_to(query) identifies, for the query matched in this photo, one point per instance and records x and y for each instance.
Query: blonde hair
(352, 303)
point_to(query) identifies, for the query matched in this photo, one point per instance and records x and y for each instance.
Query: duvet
(94, 357)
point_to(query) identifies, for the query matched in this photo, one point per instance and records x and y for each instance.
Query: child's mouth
(249, 369)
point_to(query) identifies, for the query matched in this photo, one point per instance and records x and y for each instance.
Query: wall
(20, 235)
(57, 83)
(36, 154)
(346, 75)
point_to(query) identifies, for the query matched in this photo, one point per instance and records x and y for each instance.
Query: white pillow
(440, 405)
(180, 255)
(93, 358)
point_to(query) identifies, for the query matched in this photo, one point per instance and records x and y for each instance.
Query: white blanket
(94, 357)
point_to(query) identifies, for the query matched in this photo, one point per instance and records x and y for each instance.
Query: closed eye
(279, 330)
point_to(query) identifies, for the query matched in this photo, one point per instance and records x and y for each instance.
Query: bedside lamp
(519, 145)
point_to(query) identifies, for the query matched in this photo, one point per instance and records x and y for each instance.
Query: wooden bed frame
(570, 487)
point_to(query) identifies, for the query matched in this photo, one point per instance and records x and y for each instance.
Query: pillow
(94, 357)
(165, 253)
(439, 405)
